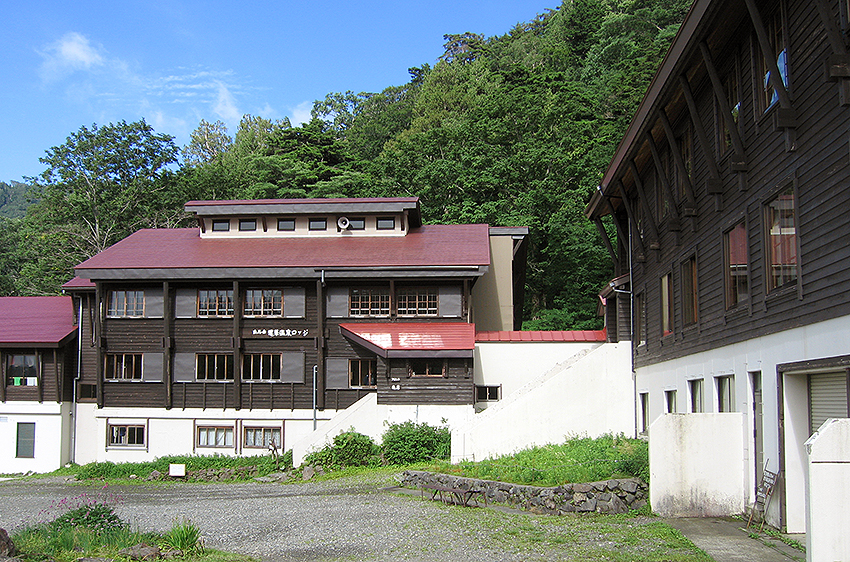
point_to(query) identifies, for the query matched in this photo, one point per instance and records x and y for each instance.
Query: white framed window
(221, 437)
(262, 437)
(644, 412)
(369, 302)
(695, 389)
(670, 401)
(128, 435)
(22, 369)
(417, 301)
(725, 393)
(487, 393)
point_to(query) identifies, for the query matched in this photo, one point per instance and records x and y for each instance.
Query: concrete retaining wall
(828, 492)
(697, 465)
(609, 496)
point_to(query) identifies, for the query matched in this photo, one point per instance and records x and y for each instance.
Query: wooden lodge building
(38, 357)
(729, 194)
(274, 314)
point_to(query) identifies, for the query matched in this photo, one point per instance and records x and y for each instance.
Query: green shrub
(348, 449)
(185, 537)
(98, 517)
(409, 442)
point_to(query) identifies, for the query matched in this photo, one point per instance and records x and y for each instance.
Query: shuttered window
(827, 398)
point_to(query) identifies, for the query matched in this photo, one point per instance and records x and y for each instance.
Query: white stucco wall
(763, 354)
(172, 432)
(373, 419)
(512, 365)
(592, 394)
(697, 465)
(492, 295)
(52, 434)
(828, 492)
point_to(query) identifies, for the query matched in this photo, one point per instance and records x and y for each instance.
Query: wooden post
(320, 346)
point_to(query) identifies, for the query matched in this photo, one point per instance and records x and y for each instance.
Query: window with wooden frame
(690, 290)
(767, 95)
(666, 289)
(214, 367)
(780, 218)
(261, 367)
(426, 368)
(362, 373)
(220, 437)
(736, 265)
(126, 435)
(369, 301)
(417, 301)
(125, 303)
(263, 302)
(215, 302)
(22, 369)
(123, 367)
(725, 393)
(695, 389)
(488, 393)
(262, 437)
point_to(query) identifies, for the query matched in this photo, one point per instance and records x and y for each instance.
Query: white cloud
(301, 113)
(67, 55)
(225, 105)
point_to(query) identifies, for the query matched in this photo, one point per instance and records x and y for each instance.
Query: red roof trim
(413, 339)
(543, 336)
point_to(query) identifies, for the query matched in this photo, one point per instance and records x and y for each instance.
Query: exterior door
(758, 425)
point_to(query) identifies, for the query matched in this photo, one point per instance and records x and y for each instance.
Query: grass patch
(89, 527)
(579, 459)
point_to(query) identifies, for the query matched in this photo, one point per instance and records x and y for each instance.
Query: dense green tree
(99, 186)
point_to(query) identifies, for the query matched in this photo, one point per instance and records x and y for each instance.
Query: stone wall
(608, 496)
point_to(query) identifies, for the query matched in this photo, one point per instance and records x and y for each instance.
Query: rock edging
(607, 496)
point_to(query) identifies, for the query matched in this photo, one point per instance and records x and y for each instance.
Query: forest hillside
(512, 130)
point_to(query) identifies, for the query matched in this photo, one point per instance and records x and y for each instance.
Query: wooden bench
(446, 493)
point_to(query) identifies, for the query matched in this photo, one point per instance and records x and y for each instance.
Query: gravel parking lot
(349, 519)
(353, 518)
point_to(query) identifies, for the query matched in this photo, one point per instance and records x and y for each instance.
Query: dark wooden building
(38, 358)
(728, 194)
(237, 331)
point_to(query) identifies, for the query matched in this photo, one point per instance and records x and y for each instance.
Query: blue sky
(68, 64)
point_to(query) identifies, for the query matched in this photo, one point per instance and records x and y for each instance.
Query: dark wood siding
(819, 169)
(456, 388)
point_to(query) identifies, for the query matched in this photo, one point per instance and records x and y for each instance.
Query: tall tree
(102, 184)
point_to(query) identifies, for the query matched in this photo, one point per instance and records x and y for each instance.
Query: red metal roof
(36, 321)
(542, 336)
(183, 248)
(423, 339)
(328, 201)
(79, 283)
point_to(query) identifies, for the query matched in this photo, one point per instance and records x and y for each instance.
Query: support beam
(690, 204)
(56, 376)
(167, 347)
(739, 158)
(633, 223)
(833, 34)
(655, 244)
(607, 241)
(621, 234)
(713, 185)
(99, 341)
(766, 51)
(237, 348)
(661, 173)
